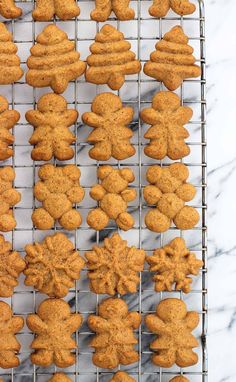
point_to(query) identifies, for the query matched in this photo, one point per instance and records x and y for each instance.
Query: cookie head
(171, 309)
(113, 307)
(51, 310)
(106, 102)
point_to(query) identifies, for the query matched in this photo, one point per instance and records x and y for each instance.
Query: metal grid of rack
(25, 300)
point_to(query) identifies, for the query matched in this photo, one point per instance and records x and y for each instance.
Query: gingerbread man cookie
(8, 119)
(119, 7)
(64, 10)
(160, 8)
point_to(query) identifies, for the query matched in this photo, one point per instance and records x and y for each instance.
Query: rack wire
(139, 91)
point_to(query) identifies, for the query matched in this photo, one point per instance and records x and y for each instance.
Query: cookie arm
(97, 324)
(124, 115)
(192, 320)
(35, 118)
(150, 116)
(155, 324)
(133, 319)
(74, 322)
(183, 114)
(35, 324)
(92, 119)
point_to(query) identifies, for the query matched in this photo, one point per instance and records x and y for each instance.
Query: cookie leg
(42, 151)
(156, 221)
(186, 218)
(186, 357)
(125, 221)
(128, 356)
(9, 10)
(42, 219)
(44, 10)
(102, 11)
(64, 358)
(122, 151)
(63, 151)
(42, 357)
(122, 10)
(165, 358)
(70, 220)
(182, 7)
(159, 8)
(106, 358)
(100, 151)
(8, 359)
(66, 10)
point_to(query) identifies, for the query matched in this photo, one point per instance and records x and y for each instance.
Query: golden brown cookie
(111, 59)
(9, 10)
(114, 268)
(172, 264)
(9, 197)
(173, 325)
(181, 378)
(168, 191)
(160, 8)
(53, 265)
(113, 195)
(8, 119)
(10, 70)
(114, 340)
(167, 133)
(9, 346)
(172, 61)
(58, 190)
(59, 377)
(105, 7)
(46, 9)
(111, 135)
(52, 136)
(11, 265)
(122, 376)
(53, 61)
(53, 325)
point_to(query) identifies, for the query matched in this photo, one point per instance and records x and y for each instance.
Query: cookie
(10, 70)
(9, 10)
(53, 265)
(53, 61)
(58, 190)
(54, 326)
(172, 265)
(114, 268)
(172, 61)
(168, 191)
(46, 9)
(173, 324)
(179, 379)
(113, 195)
(160, 8)
(111, 59)
(9, 197)
(111, 135)
(9, 345)
(59, 377)
(8, 119)
(52, 137)
(119, 7)
(122, 376)
(167, 133)
(114, 340)
(11, 265)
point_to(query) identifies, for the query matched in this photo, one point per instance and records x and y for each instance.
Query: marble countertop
(221, 131)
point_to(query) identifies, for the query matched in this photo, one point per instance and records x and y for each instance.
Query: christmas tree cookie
(111, 59)
(172, 61)
(53, 61)
(10, 70)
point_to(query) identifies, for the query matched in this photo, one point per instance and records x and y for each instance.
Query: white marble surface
(221, 81)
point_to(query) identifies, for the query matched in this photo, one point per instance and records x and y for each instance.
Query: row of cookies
(59, 190)
(54, 61)
(46, 9)
(53, 266)
(114, 342)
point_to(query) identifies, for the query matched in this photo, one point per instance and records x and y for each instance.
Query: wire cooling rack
(137, 91)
